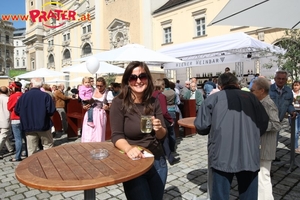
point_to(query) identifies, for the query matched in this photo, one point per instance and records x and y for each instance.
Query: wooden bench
(56, 121)
(75, 115)
(189, 111)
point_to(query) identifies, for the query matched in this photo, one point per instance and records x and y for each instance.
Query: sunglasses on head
(133, 78)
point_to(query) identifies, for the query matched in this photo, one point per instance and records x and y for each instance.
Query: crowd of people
(243, 125)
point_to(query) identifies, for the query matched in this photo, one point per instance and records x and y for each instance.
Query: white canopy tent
(233, 47)
(133, 52)
(104, 68)
(42, 73)
(56, 80)
(260, 13)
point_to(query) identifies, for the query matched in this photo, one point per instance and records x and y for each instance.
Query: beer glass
(146, 124)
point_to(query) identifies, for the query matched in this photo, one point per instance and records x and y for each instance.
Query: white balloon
(92, 65)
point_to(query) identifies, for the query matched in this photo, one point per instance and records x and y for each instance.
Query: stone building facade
(6, 47)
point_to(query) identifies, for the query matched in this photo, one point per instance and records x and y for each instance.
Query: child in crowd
(85, 94)
(296, 93)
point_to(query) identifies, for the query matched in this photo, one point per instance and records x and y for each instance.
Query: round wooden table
(70, 167)
(187, 122)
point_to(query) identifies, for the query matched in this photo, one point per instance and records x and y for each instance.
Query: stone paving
(183, 183)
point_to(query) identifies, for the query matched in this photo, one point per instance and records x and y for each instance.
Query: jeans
(63, 117)
(171, 133)
(149, 186)
(90, 115)
(297, 129)
(19, 135)
(247, 185)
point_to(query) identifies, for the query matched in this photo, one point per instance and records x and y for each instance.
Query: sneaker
(91, 124)
(297, 151)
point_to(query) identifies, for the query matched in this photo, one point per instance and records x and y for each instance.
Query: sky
(13, 7)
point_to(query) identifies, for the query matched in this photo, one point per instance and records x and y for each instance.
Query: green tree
(291, 59)
(110, 78)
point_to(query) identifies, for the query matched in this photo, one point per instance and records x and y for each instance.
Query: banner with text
(205, 61)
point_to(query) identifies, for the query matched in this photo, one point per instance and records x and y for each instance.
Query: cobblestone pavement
(184, 178)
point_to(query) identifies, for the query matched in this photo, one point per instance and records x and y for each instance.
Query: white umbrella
(57, 80)
(133, 52)
(42, 72)
(260, 13)
(24, 83)
(78, 79)
(103, 69)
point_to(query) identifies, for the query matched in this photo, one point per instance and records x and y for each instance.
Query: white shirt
(193, 96)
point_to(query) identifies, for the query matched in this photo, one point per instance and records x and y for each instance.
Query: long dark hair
(126, 92)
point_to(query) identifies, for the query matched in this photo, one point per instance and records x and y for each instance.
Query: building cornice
(266, 30)
(180, 6)
(32, 39)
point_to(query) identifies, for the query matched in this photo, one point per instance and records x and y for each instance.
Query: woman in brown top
(135, 100)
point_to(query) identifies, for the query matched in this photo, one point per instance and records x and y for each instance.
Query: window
(0, 52)
(170, 74)
(51, 59)
(23, 52)
(167, 31)
(86, 49)
(7, 38)
(200, 27)
(67, 54)
(17, 63)
(167, 35)
(199, 21)
(23, 62)
(86, 29)
(66, 36)
(50, 42)
(17, 52)
(31, 3)
(17, 43)
(7, 53)
(32, 64)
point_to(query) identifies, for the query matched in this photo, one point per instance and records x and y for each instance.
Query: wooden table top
(187, 122)
(70, 167)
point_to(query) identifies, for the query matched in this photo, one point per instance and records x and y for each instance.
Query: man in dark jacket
(234, 120)
(35, 109)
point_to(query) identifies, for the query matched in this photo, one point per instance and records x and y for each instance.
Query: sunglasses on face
(133, 78)
(100, 86)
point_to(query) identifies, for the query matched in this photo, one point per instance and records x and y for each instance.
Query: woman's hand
(86, 107)
(135, 153)
(105, 107)
(156, 124)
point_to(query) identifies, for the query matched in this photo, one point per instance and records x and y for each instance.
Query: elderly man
(35, 109)
(185, 89)
(260, 88)
(283, 98)
(234, 120)
(60, 104)
(4, 120)
(194, 94)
